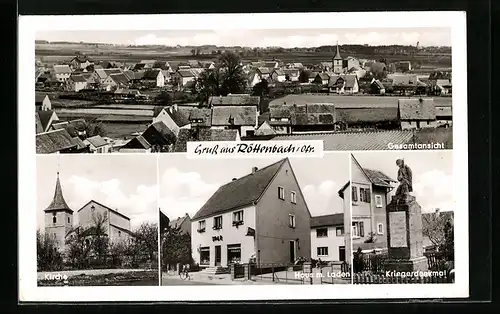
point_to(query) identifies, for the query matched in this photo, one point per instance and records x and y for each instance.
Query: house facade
(328, 238)
(62, 72)
(97, 145)
(370, 191)
(243, 221)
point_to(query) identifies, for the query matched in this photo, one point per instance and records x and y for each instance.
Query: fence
(335, 272)
(440, 277)
(279, 273)
(374, 263)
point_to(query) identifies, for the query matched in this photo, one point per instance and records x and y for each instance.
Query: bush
(48, 256)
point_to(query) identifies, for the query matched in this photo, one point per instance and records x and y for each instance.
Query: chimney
(254, 169)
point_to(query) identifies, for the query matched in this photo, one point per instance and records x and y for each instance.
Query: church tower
(58, 217)
(337, 62)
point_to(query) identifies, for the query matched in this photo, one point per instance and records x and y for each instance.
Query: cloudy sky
(186, 184)
(432, 174)
(287, 38)
(123, 182)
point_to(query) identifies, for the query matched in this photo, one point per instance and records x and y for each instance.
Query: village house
(118, 80)
(97, 144)
(234, 100)
(359, 72)
(42, 102)
(45, 118)
(376, 87)
(295, 65)
(417, 113)
(292, 75)
(444, 116)
(183, 224)
(185, 76)
(370, 194)
(253, 79)
(80, 62)
(261, 216)
(241, 118)
(203, 134)
(264, 73)
(76, 83)
(344, 84)
(75, 128)
(286, 118)
(153, 78)
(61, 72)
(265, 129)
(328, 238)
(278, 75)
(323, 78)
(156, 138)
(55, 142)
(403, 66)
(443, 86)
(174, 118)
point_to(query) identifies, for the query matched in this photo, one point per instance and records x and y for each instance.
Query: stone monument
(404, 227)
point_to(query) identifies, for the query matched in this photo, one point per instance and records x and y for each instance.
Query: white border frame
(28, 25)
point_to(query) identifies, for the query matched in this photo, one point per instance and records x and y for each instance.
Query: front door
(292, 251)
(342, 253)
(218, 254)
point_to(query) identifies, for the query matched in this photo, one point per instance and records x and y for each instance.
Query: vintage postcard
(96, 223)
(294, 161)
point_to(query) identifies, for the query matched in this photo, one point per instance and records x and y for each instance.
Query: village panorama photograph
(153, 91)
(97, 220)
(254, 221)
(402, 217)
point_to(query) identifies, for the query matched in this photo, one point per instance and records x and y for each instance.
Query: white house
(62, 72)
(97, 144)
(328, 238)
(76, 83)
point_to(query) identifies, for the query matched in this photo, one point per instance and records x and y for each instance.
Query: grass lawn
(135, 278)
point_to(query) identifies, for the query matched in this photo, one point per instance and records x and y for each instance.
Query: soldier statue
(404, 178)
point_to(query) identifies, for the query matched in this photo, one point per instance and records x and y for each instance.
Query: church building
(338, 63)
(59, 220)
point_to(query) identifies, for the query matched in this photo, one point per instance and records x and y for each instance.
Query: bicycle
(185, 275)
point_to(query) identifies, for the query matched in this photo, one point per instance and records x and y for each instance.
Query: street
(179, 282)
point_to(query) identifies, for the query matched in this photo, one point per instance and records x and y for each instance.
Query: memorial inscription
(397, 225)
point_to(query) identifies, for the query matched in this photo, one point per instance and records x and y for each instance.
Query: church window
(54, 218)
(69, 220)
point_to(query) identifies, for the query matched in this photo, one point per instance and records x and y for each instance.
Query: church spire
(337, 55)
(58, 202)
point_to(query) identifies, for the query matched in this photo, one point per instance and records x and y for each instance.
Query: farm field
(54, 53)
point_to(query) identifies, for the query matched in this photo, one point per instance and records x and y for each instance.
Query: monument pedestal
(404, 235)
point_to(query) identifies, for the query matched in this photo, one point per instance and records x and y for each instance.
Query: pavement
(89, 272)
(284, 277)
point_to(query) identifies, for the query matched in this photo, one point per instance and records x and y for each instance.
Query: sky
(432, 174)
(186, 184)
(286, 38)
(124, 182)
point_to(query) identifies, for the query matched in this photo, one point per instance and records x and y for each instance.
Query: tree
(100, 240)
(433, 228)
(304, 76)
(164, 98)
(176, 247)
(449, 242)
(227, 77)
(95, 128)
(48, 256)
(261, 88)
(147, 238)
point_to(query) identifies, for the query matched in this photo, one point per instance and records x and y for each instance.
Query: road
(177, 282)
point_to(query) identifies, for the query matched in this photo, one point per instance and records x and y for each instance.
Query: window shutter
(368, 195)
(361, 229)
(354, 194)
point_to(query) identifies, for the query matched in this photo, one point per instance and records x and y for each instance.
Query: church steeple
(337, 55)
(58, 202)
